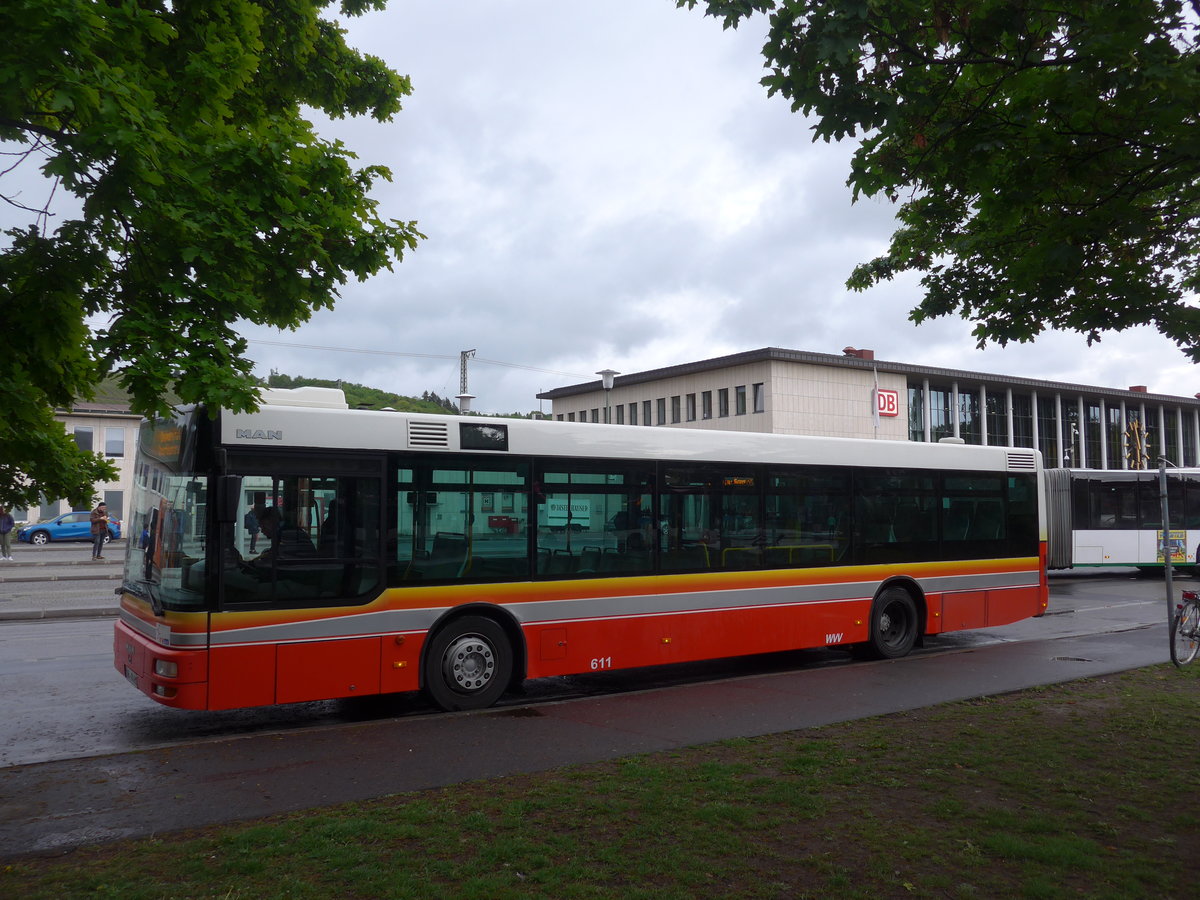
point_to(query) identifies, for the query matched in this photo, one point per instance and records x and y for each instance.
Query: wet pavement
(1098, 626)
(53, 807)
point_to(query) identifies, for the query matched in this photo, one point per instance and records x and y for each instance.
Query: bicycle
(1185, 628)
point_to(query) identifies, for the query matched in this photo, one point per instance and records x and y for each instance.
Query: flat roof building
(107, 427)
(855, 395)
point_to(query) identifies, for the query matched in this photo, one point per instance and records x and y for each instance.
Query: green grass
(1084, 789)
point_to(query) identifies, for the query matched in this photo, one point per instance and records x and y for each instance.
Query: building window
(646, 420)
(1048, 433)
(676, 414)
(632, 413)
(1072, 435)
(916, 412)
(723, 402)
(559, 417)
(1189, 439)
(706, 404)
(83, 437)
(739, 400)
(1171, 436)
(968, 417)
(595, 415)
(661, 403)
(620, 413)
(760, 398)
(114, 442)
(997, 420)
(115, 501)
(570, 417)
(1116, 454)
(1022, 413)
(1095, 438)
(940, 423)
(1139, 440)
(691, 407)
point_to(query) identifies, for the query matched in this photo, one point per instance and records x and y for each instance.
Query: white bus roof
(296, 425)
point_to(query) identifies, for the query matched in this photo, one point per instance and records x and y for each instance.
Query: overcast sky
(604, 184)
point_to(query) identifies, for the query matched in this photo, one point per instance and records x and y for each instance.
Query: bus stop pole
(1166, 536)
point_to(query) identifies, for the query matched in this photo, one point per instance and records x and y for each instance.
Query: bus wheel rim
(469, 663)
(893, 624)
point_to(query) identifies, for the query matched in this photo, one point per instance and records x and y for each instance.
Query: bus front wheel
(894, 624)
(468, 664)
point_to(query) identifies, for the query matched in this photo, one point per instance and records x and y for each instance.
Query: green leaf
(207, 199)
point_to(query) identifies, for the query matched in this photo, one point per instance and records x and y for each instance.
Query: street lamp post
(606, 380)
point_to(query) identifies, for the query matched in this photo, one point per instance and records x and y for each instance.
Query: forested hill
(363, 397)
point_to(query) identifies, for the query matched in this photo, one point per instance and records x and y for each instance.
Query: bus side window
(594, 518)
(460, 518)
(317, 541)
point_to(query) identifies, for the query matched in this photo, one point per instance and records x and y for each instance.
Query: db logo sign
(887, 403)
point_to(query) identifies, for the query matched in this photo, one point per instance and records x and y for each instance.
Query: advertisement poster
(1178, 544)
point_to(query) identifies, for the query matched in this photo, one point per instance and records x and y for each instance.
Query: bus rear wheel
(468, 664)
(894, 624)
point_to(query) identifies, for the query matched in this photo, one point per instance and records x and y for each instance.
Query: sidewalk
(60, 581)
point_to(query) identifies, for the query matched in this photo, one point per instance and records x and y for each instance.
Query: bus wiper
(147, 592)
(133, 588)
(155, 603)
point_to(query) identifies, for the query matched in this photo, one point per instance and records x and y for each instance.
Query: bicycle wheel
(1185, 640)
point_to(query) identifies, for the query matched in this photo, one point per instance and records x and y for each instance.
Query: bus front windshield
(167, 523)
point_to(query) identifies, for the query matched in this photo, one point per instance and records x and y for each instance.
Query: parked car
(72, 526)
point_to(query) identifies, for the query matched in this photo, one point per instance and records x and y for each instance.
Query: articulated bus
(308, 551)
(1114, 518)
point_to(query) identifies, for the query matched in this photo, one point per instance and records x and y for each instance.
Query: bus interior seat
(555, 562)
(988, 524)
(956, 524)
(590, 559)
(693, 557)
(740, 558)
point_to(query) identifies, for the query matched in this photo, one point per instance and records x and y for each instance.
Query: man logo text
(257, 434)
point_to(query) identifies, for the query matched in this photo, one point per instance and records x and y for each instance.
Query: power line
(491, 362)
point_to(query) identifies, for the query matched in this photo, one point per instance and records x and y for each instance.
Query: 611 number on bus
(603, 662)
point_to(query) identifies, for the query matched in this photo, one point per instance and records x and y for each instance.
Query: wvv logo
(833, 638)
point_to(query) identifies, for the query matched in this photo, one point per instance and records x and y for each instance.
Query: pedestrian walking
(99, 530)
(6, 530)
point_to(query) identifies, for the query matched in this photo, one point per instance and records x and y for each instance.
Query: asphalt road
(191, 771)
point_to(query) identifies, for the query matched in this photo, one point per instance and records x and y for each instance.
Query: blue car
(72, 526)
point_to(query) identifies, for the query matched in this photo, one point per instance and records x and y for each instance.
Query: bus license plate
(131, 676)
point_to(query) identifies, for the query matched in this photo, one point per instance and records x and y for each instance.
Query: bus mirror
(229, 494)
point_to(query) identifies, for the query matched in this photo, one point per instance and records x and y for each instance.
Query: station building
(855, 395)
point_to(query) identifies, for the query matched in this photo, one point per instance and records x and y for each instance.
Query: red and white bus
(458, 556)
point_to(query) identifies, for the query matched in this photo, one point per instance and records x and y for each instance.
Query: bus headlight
(166, 669)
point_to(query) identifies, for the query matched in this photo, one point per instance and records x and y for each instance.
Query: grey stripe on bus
(546, 612)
